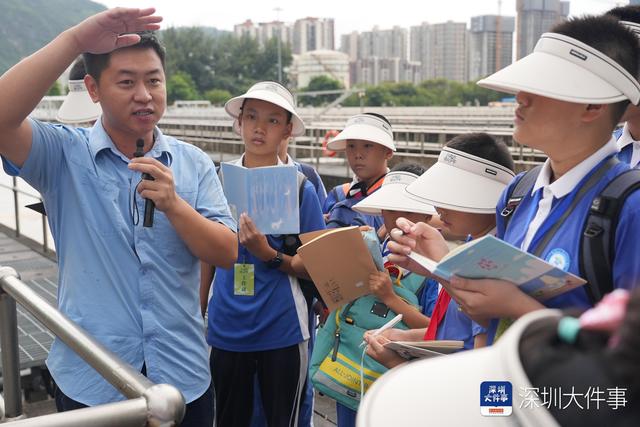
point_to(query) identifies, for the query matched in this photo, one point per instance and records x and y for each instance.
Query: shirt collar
(240, 161)
(567, 182)
(625, 137)
(99, 140)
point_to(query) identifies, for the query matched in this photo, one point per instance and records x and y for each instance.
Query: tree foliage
(222, 63)
(438, 92)
(55, 89)
(181, 86)
(317, 84)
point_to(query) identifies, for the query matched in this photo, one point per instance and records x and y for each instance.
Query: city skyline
(348, 16)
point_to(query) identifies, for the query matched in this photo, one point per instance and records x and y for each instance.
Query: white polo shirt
(561, 186)
(623, 144)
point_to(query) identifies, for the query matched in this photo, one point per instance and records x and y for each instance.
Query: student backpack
(598, 237)
(336, 362)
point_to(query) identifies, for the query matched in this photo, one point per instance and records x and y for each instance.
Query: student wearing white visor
(571, 92)
(628, 138)
(78, 107)
(464, 186)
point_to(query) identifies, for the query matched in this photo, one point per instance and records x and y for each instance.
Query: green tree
(319, 83)
(54, 90)
(181, 86)
(190, 50)
(217, 96)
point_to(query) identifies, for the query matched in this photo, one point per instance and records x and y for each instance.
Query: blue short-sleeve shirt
(566, 241)
(276, 316)
(135, 289)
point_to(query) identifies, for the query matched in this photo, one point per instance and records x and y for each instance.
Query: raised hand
(114, 28)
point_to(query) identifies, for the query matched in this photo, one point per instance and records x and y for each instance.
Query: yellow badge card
(243, 279)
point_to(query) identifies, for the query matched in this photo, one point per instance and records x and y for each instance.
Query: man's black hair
(380, 116)
(626, 13)
(608, 36)
(484, 146)
(96, 63)
(78, 70)
(413, 168)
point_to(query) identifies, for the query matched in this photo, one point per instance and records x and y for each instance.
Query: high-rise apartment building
(441, 49)
(349, 45)
(535, 17)
(313, 34)
(490, 44)
(391, 43)
(264, 31)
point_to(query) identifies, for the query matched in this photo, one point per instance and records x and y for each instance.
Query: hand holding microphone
(149, 205)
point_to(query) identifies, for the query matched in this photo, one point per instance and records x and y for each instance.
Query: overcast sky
(349, 15)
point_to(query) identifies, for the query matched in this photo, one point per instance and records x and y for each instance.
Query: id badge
(243, 279)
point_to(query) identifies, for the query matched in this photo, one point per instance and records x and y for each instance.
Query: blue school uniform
(276, 316)
(629, 148)
(564, 247)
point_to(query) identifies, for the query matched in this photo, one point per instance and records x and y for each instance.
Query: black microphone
(149, 205)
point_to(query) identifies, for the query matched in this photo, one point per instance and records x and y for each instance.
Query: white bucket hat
(392, 197)
(463, 182)
(78, 106)
(451, 386)
(271, 92)
(366, 127)
(566, 69)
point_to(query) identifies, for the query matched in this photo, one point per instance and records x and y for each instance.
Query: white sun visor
(392, 197)
(566, 69)
(78, 107)
(365, 127)
(462, 182)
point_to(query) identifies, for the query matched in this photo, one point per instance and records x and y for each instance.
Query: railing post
(10, 352)
(16, 206)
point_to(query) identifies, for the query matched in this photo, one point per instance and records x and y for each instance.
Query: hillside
(27, 25)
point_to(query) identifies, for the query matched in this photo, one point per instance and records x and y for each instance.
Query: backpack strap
(588, 185)
(310, 173)
(597, 247)
(518, 191)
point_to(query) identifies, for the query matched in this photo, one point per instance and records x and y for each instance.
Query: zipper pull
(336, 344)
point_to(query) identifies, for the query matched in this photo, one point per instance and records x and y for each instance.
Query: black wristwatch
(276, 261)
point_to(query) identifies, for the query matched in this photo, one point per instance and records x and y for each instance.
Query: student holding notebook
(571, 92)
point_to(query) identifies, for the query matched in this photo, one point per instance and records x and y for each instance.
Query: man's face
(367, 159)
(131, 91)
(544, 123)
(263, 126)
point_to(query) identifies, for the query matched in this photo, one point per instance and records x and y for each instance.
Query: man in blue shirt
(134, 288)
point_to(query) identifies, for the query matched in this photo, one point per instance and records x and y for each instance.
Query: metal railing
(148, 403)
(16, 209)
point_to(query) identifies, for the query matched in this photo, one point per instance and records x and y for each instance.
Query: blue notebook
(269, 195)
(491, 258)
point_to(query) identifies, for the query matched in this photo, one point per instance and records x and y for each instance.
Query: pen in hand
(390, 324)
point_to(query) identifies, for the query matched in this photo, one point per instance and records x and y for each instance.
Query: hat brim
(551, 76)
(392, 197)
(234, 107)
(78, 108)
(452, 384)
(363, 132)
(445, 186)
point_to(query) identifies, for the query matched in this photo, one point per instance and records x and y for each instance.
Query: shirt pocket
(168, 241)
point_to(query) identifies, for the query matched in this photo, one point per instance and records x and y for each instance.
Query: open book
(339, 261)
(269, 195)
(424, 349)
(492, 258)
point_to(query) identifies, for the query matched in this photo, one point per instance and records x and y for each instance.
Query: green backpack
(335, 362)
